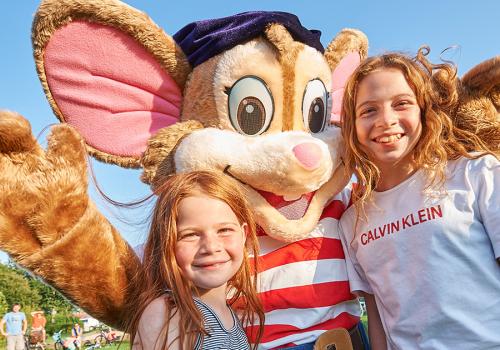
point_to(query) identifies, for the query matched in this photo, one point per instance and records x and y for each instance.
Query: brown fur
(483, 78)
(288, 51)
(66, 264)
(348, 40)
(479, 115)
(479, 102)
(495, 98)
(201, 103)
(15, 134)
(48, 224)
(158, 160)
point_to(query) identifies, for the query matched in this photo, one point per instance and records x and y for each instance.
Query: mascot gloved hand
(245, 95)
(49, 224)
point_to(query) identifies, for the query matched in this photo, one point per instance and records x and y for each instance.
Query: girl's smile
(210, 265)
(388, 121)
(210, 241)
(388, 139)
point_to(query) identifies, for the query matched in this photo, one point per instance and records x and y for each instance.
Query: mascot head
(250, 96)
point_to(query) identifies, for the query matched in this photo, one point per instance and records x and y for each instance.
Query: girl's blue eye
(188, 236)
(366, 112)
(403, 103)
(226, 230)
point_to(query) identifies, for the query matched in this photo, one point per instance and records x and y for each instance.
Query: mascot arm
(49, 225)
(478, 108)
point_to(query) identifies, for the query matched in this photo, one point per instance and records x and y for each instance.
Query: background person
(76, 334)
(16, 325)
(110, 334)
(38, 325)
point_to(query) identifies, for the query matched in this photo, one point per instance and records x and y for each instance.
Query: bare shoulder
(156, 311)
(153, 325)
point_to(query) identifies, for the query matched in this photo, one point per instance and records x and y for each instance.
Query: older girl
(423, 235)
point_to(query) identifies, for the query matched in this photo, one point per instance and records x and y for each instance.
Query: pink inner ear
(339, 78)
(109, 87)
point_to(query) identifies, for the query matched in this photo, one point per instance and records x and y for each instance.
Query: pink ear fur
(109, 87)
(340, 75)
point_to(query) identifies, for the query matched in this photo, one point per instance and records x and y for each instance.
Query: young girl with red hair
(196, 265)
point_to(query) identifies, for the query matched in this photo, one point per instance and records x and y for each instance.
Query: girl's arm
(376, 332)
(152, 326)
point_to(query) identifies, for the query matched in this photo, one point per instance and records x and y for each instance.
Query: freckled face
(388, 122)
(211, 241)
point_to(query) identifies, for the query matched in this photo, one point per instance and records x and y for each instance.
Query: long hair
(435, 89)
(161, 270)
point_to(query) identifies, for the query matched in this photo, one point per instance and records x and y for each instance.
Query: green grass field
(122, 346)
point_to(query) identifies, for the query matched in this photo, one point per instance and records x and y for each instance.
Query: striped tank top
(219, 338)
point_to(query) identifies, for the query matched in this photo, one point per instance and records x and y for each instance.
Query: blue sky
(470, 26)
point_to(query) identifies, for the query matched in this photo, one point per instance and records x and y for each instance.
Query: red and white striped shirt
(304, 286)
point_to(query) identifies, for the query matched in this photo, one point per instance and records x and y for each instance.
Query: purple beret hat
(204, 39)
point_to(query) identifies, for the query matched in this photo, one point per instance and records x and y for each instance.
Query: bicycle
(88, 345)
(106, 337)
(60, 344)
(34, 340)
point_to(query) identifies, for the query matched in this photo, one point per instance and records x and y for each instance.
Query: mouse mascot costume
(247, 96)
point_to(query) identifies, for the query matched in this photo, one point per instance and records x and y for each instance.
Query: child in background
(76, 335)
(111, 335)
(38, 325)
(196, 255)
(423, 236)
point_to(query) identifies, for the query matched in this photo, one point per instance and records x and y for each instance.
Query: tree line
(19, 286)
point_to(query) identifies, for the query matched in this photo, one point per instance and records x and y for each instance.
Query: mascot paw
(42, 193)
(15, 133)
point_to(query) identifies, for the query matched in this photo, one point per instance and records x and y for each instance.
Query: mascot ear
(110, 72)
(484, 78)
(343, 55)
(479, 102)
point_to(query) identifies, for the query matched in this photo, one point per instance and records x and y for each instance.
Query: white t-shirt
(430, 261)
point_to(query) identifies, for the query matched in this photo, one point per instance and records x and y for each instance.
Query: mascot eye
(250, 105)
(315, 105)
